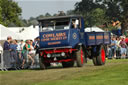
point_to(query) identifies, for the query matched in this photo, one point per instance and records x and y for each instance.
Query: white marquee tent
(29, 33)
(4, 33)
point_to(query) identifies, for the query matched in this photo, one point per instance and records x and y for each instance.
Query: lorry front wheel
(42, 65)
(80, 57)
(68, 64)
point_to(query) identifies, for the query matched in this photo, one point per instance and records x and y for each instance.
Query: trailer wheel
(68, 64)
(80, 57)
(101, 56)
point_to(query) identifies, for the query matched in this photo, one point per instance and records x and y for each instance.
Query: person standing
(19, 52)
(118, 47)
(6, 52)
(113, 47)
(26, 55)
(32, 54)
(13, 53)
(36, 46)
(126, 41)
(123, 48)
(20, 48)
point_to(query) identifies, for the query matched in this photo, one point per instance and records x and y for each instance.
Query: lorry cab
(61, 31)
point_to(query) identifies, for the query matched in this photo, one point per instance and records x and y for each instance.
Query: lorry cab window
(75, 23)
(47, 27)
(57, 24)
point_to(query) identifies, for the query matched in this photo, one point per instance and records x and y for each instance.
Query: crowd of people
(18, 53)
(118, 47)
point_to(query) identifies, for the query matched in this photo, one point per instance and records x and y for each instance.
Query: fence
(11, 60)
(2, 67)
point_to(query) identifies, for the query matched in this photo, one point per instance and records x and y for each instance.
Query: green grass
(114, 72)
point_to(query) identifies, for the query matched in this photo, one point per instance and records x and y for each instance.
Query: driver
(47, 28)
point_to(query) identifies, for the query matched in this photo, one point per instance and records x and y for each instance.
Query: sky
(34, 8)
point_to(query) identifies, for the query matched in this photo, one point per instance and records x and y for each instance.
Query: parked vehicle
(63, 40)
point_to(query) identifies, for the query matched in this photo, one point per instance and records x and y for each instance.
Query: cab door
(78, 24)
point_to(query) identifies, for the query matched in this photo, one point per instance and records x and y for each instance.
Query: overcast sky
(34, 8)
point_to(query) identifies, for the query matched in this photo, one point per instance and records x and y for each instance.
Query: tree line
(10, 13)
(102, 13)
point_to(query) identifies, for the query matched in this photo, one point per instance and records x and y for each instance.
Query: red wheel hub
(103, 55)
(82, 60)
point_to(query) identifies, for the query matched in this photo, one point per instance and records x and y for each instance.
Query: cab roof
(58, 17)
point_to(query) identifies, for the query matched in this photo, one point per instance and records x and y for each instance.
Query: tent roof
(4, 33)
(29, 33)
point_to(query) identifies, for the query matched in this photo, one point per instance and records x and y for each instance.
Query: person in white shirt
(20, 48)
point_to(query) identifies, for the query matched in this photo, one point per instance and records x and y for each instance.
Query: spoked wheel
(80, 57)
(100, 58)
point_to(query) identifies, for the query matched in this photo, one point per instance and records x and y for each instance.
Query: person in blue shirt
(6, 51)
(113, 48)
(13, 52)
(7, 44)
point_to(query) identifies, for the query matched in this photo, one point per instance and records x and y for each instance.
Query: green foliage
(33, 20)
(0, 13)
(97, 16)
(98, 12)
(47, 15)
(70, 12)
(93, 12)
(10, 12)
(118, 9)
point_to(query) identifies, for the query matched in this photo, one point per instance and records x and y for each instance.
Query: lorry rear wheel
(68, 64)
(95, 61)
(80, 57)
(100, 59)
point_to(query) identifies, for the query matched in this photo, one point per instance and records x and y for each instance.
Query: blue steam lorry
(63, 40)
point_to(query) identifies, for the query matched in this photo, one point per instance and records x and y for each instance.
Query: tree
(0, 13)
(40, 16)
(10, 12)
(98, 16)
(47, 15)
(97, 11)
(118, 9)
(92, 11)
(61, 13)
(124, 15)
(70, 12)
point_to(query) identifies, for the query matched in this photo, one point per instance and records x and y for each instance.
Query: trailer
(63, 40)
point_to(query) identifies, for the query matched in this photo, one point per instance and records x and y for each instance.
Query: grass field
(114, 72)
